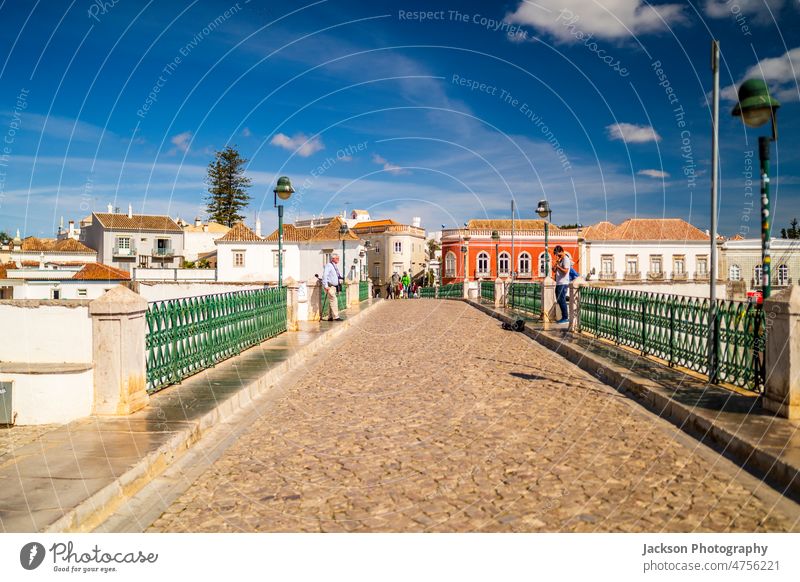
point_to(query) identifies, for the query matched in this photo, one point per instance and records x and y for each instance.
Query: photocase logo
(31, 555)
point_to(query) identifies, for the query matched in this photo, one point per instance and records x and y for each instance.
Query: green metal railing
(185, 336)
(452, 291)
(341, 298)
(675, 329)
(487, 291)
(526, 297)
(363, 290)
(429, 292)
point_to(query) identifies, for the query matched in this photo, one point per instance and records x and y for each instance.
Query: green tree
(432, 249)
(227, 187)
(793, 232)
(4, 237)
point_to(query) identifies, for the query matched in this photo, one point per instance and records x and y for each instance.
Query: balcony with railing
(124, 251)
(163, 252)
(680, 276)
(701, 276)
(655, 275)
(608, 276)
(632, 276)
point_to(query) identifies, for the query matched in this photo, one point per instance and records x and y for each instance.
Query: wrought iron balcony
(704, 276)
(637, 276)
(655, 275)
(680, 276)
(608, 276)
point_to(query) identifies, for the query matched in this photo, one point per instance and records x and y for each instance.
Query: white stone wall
(164, 291)
(46, 331)
(195, 243)
(68, 289)
(685, 289)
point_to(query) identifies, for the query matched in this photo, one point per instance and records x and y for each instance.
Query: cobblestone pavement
(429, 417)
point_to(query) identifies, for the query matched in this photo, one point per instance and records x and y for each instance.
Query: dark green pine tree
(227, 187)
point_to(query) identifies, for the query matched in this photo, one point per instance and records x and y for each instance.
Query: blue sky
(600, 107)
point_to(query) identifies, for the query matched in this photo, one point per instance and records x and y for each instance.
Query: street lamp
(544, 211)
(756, 106)
(465, 250)
(343, 233)
(496, 239)
(284, 191)
(367, 247)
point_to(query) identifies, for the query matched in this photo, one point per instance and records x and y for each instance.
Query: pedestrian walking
(406, 280)
(330, 282)
(562, 266)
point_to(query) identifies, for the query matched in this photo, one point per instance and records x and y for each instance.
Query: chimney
(258, 226)
(41, 260)
(197, 222)
(71, 225)
(205, 228)
(416, 221)
(130, 210)
(110, 208)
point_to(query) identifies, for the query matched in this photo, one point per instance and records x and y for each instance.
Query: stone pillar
(436, 290)
(371, 287)
(575, 303)
(315, 298)
(549, 305)
(499, 293)
(118, 351)
(352, 292)
(782, 353)
(474, 291)
(465, 287)
(292, 304)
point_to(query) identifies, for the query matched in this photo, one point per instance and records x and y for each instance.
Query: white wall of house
(32, 256)
(644, 251)
(260, 261)
(67, 289)
(685, 289)
(195, 243)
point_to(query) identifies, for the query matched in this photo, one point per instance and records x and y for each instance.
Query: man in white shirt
(561, 267)
(330, 282)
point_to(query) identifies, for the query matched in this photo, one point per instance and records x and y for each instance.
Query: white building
(315, 244)
(741, 261)
(87, 281)
(642, 250)
(243, 256)
(72, 232)
(393, 247)
(198, 238)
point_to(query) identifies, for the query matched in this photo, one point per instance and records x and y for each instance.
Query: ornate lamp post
(496, 239)
(284, 191)
(756, 106)
(343, 233)
(544, 211)
(465, 250)
(367, 247)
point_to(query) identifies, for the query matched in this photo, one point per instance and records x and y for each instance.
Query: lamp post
(367, 247)
(343, 233)
(284, 191)
(544, 211)
(465, 249)
(496, 239)
(756, 106)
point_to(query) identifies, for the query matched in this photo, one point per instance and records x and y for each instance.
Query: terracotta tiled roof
(599, 231)
(59, 263)
(370, 223)
(505, 224)
(675, 229)
(214, 227)
(4, 269)
(328, 232)
(737, 236)
(101, 272)
(292, 234)
(240, 233)
(331, 232)
(51, 245)
(137, 222)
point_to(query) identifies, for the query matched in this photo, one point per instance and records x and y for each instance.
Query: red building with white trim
(484, 255)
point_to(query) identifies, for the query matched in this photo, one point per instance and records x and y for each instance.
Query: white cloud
(181, 141)
(298, 143)
(246, 132)
(653, 173)
(632, 133)
(610, 20)
(762, 11)
(780, 73)
(387, 165)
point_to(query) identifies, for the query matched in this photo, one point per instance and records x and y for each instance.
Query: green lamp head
(284, 188)
(756, 106)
